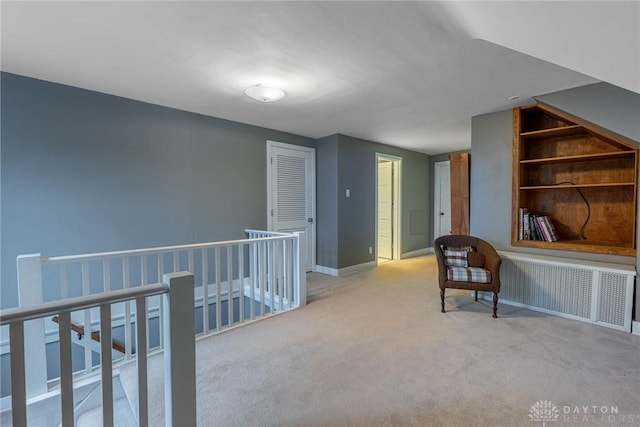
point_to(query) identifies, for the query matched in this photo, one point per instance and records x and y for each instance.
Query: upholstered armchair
(467, 262)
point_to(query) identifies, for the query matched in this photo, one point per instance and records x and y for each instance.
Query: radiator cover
(594, 292)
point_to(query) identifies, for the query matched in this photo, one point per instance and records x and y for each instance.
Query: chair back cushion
(455, 258)
(475, 259)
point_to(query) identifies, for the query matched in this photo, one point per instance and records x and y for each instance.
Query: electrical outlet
(348, 193)
(370, 250)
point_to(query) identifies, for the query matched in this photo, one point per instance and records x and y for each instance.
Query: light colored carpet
(373, 349)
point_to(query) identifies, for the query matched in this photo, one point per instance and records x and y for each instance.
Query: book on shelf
(551, 229)
(521, 223)
(536, 227)
(543, 229)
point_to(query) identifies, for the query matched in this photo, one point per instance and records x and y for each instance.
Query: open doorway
(388, 173)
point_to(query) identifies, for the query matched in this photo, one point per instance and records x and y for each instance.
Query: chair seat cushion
(468, 274)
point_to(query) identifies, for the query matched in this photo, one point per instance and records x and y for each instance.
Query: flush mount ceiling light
(264, 93)
(513, 98)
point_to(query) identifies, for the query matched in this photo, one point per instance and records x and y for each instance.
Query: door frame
(437, 166)
(396, 253)
(312, 172)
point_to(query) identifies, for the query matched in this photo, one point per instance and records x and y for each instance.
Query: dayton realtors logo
(544, 411)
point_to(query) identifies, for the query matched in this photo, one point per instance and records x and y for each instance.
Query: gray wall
(353, 162)
(327, 201)
(603, 104)
(83, 171)
(608, 106)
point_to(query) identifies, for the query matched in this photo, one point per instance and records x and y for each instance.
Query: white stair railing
(177, 293)
(250, 278)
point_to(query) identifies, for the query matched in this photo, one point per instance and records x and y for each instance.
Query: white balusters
(262, 271)
(229, 286)
(64, 284)
(218, 286)
(267, 268)
(180, 367)
(126, 283)
(30, 293)
(205, 291)
(253, 278)
(86, 290)
(241, 281)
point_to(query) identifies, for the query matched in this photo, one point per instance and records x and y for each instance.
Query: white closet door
(292, 195)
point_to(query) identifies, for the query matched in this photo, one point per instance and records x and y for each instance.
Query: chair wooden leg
(495, 305)
(476, 295)
(442, 299)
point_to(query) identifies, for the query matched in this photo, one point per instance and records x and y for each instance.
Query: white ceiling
(410, 74)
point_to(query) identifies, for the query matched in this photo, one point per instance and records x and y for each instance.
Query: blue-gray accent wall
(83, 172)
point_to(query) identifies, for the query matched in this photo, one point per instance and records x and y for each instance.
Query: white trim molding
(355, 268)
(326, 270)
(397, 204)
(635, 328)
(416, 253)
(345, 270)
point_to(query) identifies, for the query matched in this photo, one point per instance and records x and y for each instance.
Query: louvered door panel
(291, 194)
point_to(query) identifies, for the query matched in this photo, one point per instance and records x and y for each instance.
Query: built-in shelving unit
(583, 177)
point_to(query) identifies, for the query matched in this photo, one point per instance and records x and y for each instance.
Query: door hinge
(271, 160)
(271, 212)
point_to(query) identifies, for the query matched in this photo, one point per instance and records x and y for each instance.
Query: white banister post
(299, 266)
(179, 350)
(30, 293)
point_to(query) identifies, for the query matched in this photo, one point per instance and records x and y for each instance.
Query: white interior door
(291, 182)
(442, 199)
(385, 209)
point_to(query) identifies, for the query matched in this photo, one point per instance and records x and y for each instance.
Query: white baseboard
(635, 328)
(344, 271)
(419, 252)
(326, 270)
(355, 268)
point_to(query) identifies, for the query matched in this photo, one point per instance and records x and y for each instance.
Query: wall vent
(589, 291)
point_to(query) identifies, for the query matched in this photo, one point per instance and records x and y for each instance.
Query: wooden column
(459, 193)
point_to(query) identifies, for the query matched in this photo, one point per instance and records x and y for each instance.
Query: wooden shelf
(552, 146)
(579, 158)
(591, 246)
(554, 132)
(562, 186)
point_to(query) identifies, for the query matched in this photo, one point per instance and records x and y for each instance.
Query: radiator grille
(612, 298)
(578, 290)
(556, 288)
